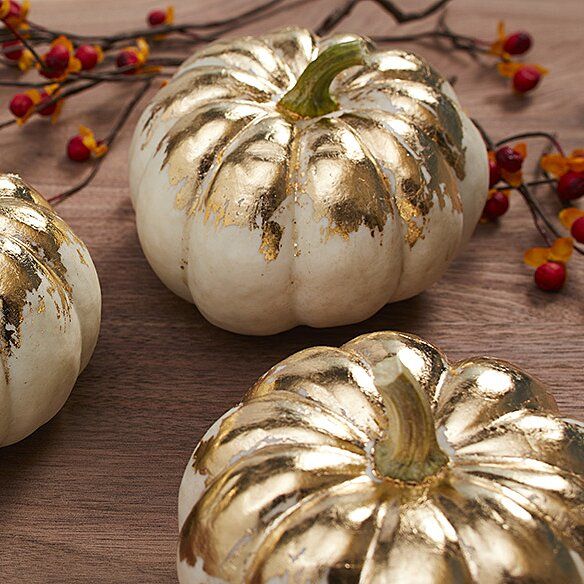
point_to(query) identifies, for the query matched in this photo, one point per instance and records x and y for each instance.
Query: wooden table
(91, 497)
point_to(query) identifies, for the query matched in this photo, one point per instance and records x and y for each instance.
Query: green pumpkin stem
(311, 97)
(409, 450)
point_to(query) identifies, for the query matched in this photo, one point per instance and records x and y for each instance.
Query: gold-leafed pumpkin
(381, 463)
(288, 179)
(50, 309)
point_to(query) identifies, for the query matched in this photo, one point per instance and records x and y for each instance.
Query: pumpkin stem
(311, 97)
(409, 449)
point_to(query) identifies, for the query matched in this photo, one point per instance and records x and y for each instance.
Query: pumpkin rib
(405, 66)
(373, 347)
(219, 494)
(566, 526)
(524, 522)
(298, 368)
(451, 147)
(42, 270)
(260, 85)
(367, 151)
(233, 148)
(171, 94)
(277, 44)
(224, 439)
(252, 575)
(424, 547)
(231, 51)
(54, 276)
(292, 78)
(285, 395)
(469, 402)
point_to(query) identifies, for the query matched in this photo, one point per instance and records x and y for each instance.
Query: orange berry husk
(97, 149)
(562, 249)
(568, 216)
(508, 68)
(558, 165)
(513, 179)
(560, 252)
(536, 256)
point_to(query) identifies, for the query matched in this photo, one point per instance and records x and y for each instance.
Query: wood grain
(91, 497)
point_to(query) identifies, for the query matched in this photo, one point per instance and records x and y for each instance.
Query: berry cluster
(563, 173)
(524, 77)
(505, 164)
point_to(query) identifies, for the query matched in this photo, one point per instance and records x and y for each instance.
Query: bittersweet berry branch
(122, 119)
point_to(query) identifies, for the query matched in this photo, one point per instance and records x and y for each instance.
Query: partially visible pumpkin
(380, 463)
(269, 201)
(50, 310)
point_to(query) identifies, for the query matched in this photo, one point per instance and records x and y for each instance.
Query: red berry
(550, 276)
(15, 12)
(125, 59)
(571, 185)
(494, 173)
(156, 17)
(88, 56)
(12, 50)
(56, 62)
(496, 206)
(526, 79)
(517, 43)
(577, 230)
(77, 150)
(20, 105)
(47, 110)
(509, 159)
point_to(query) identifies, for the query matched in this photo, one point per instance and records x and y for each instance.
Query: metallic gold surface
(396, 143)
(290, 490)
(30, 238)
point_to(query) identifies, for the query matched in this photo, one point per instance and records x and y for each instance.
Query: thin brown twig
(122, 119)
(525, 135)
(24, 41)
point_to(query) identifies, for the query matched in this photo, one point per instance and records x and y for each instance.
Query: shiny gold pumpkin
(380, 463)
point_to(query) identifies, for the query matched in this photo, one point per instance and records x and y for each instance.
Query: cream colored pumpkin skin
(50, 310)
(286, 487)
(266, 222)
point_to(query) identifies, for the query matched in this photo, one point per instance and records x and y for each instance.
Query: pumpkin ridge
(23, 242)
(277, 45)
(192, 77)
(260, 214)
(366, 150)
(286, 395)
(212, 500)
(303, 505)
(486, 488)
(567, 533)
(58, 279)
(278, 58)
(265, 385)
(268, 86)
(40, 269)
(445, 126)
(229, 51)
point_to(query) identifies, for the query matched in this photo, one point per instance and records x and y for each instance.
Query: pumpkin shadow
(20, 464)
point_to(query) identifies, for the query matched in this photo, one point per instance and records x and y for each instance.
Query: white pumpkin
(50, 310)
(270, 203)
